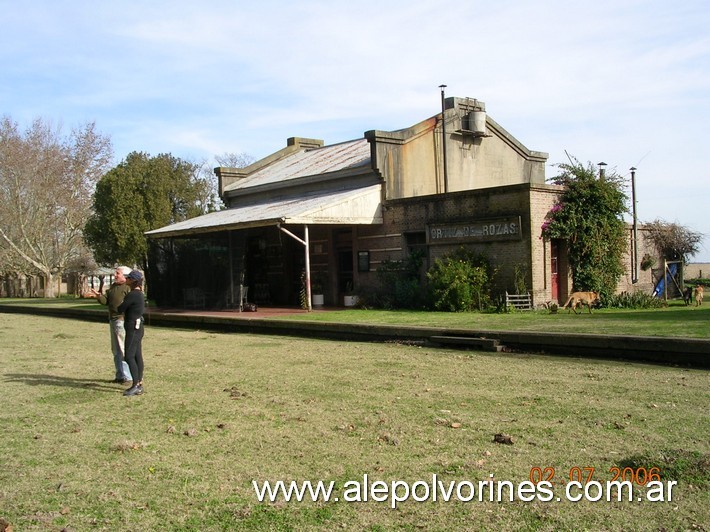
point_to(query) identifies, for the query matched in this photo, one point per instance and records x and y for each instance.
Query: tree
(589, 216)
(140, 194)
(673, 241)
(46, 184)
(228, 160)
(234, 160)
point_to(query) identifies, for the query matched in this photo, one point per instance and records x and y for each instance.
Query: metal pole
(305, 242)
(665, 280)
(231, 270)
(635, 275)
(443, 137)
(308, 267)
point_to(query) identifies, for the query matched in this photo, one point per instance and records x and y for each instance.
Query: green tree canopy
(140, 194)
(589, 216)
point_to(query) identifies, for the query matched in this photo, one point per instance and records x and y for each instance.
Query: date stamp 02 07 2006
(585, 475)
(622, 480)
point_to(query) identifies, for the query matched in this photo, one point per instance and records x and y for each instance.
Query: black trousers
(134, 350)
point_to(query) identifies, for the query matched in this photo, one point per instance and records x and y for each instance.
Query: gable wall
(410, 160)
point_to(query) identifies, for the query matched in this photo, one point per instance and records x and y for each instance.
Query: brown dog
(699, 295)
(581, 298)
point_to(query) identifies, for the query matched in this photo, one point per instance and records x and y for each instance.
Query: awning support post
(231, 270)
(305, 242)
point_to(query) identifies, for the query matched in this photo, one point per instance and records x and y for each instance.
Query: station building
(334, 213)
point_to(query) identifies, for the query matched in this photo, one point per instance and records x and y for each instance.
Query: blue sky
(625, 82)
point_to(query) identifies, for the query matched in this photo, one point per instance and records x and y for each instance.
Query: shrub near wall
(460, 282)
(399, 285)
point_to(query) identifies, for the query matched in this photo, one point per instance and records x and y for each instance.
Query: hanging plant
(647, 262)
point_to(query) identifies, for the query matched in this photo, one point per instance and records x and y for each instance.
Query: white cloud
(626, 81)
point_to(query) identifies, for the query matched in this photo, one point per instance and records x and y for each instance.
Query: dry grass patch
(221, 410)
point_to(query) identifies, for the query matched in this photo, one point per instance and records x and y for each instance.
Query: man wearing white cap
(113, 297)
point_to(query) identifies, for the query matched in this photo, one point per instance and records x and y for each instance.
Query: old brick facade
(339, 211)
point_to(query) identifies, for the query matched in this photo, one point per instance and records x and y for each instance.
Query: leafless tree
(234, 160)
(228, 160)
(674, 241)
(46, 186)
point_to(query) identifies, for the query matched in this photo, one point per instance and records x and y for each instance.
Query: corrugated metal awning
(355, 206)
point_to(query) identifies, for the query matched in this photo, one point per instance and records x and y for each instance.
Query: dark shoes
(121, 381)
(134, 390)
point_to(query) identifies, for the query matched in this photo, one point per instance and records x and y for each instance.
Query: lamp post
(635, 263)
(443, 137)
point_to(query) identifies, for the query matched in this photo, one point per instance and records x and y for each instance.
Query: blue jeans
(118, 341)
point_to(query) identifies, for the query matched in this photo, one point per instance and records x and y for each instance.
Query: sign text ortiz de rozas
(475, 231)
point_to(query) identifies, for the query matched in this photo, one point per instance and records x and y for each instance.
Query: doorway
(344, 255)
(555, 270)
(345, 270)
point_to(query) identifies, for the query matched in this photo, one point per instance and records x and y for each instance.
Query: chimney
(300, 142)
(228, 176)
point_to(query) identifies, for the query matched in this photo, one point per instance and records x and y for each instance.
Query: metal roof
(353, 206)
(308, 162)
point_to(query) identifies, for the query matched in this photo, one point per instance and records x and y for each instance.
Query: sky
(620, 81)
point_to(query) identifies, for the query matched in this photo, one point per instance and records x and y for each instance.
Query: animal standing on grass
(688, 295)
(581, 298)
(699, 295)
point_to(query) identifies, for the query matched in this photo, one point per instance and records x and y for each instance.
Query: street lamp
(443, 136)
(635, 264)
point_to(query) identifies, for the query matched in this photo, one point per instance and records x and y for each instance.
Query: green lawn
(223, 410)
(676, 320)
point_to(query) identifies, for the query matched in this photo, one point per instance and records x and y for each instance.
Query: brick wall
(531, 253)
(529, 203)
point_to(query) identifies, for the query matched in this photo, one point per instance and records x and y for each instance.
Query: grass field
(676, 320)
(223, 410)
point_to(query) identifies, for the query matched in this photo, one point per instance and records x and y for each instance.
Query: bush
(637, 300)
(520, 272)
(401, 293)
(399, 284)
(460, 282)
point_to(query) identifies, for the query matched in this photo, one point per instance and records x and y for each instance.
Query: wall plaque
(487, 230)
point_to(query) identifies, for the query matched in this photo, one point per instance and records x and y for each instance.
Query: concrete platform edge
(692, 352)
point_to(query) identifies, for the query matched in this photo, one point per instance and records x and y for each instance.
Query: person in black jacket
(132, 308)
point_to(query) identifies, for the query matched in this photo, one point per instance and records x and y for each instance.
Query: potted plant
(349, 299)
(318, 289)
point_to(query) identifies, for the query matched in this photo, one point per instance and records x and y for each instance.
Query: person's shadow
(34, 379)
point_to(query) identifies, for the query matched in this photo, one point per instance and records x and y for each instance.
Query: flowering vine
(546, 227)
(588, 217)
